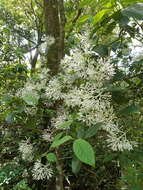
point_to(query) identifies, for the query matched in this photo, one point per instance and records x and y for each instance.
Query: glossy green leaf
(115, 89)
(109, 157)
(84, 152)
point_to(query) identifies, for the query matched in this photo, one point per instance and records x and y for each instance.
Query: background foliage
(115, 29)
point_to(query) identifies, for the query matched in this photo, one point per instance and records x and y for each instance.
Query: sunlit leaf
(84, 152)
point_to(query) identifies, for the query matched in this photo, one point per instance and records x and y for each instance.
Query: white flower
(73, 97)
(25, 173)
(29, 92)
(31, 110)
(26, 149)
(53, 89)
(119, 143)
(41, 171)
(62, 116)
(47, 136)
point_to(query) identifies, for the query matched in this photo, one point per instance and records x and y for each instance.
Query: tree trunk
(54, 26)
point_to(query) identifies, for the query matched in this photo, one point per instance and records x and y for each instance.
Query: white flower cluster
(28, 91)
(81, 87)
(87, 94)
(41, 171)
(62, 117)
(26, 149)
(53, 89)
(47, 135)
(120, 143)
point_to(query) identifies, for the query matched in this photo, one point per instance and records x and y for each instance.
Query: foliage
(83, 124)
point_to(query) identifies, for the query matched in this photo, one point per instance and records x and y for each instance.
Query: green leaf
(76, 165)
(9, 118)
(99, 16)
(58, 136)
(93, 130)
(61, 141)
(84, 152)
(115, 89)
(51, 157)
(83, 19)
(109, 157)
(31, 100)
(65, 124)
(134, 11)
(7, 99)
(102, 50)
(85, 2)
(80, 132)
(130, 109)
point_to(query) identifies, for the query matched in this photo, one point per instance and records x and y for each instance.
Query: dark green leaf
(93, 130)
(76, 165)
(135, 11)
(102, 50)
(130, 109)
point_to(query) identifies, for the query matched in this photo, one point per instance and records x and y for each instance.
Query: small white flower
(119, 143)
(41, 171)
(26, 149)
(47, 136)
(53, 89)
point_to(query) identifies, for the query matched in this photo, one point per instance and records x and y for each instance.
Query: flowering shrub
(69, 108)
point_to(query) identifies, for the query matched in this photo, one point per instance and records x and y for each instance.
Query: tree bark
(54, 26)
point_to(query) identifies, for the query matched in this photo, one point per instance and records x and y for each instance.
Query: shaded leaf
(93, 130)
(76, 165)
(134, 11)
(130, 109)
(9, 118)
